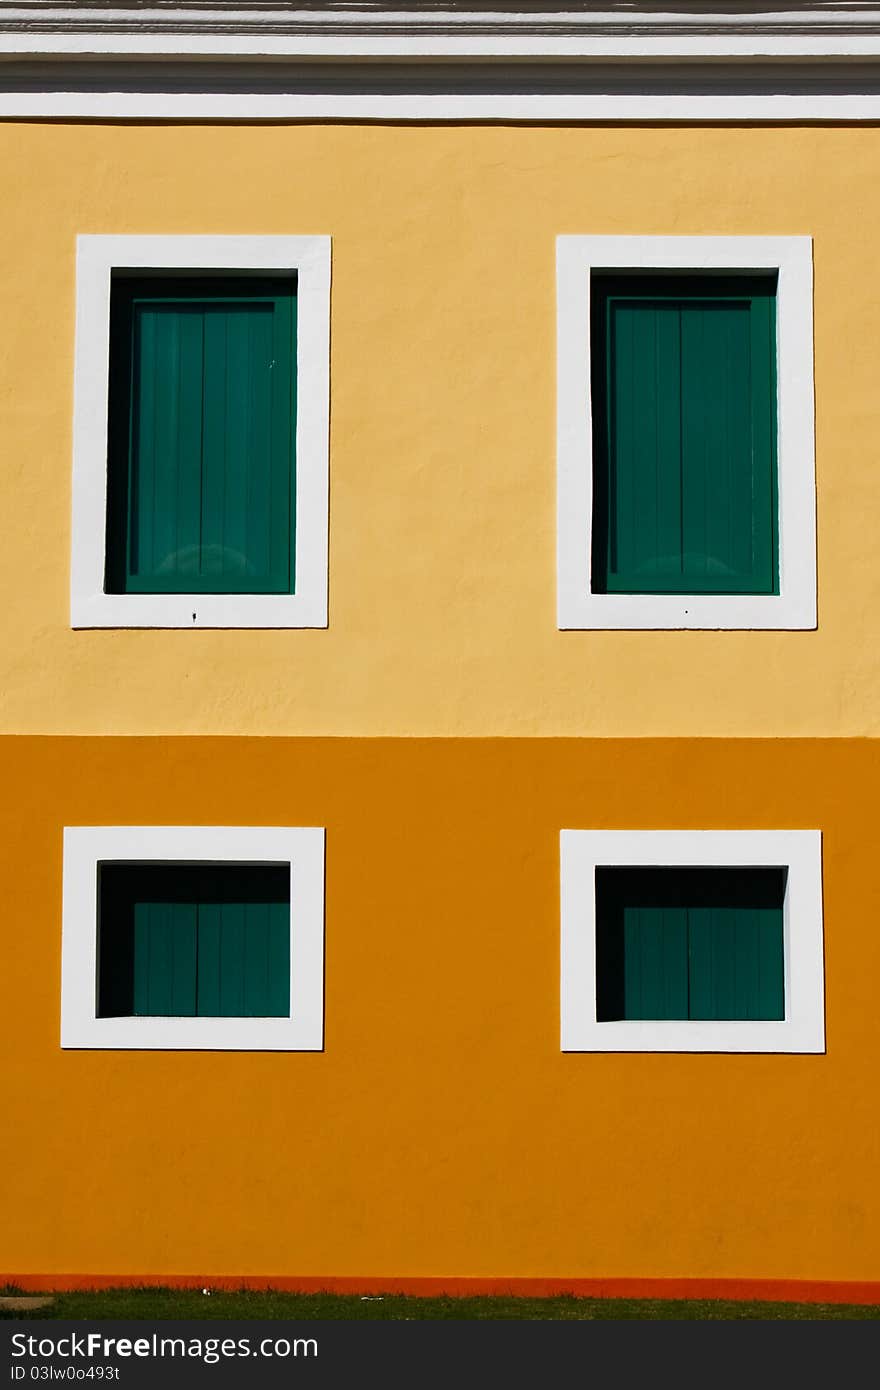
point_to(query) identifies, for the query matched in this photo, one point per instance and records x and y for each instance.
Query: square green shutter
(690, 943)
(201, 468)
(684, 415)
(194, 941)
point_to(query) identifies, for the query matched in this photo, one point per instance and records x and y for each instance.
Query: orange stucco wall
(441, 1131)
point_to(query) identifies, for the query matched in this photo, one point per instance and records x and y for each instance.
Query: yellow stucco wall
(441, 1132)
(442, 578)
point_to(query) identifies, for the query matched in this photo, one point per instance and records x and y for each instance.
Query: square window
(692, 941)
(193, 937)
(193, 941)
(689, 943)
(201, 432)
(686, 475)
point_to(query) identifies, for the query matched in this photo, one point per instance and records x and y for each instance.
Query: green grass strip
(156, 1303)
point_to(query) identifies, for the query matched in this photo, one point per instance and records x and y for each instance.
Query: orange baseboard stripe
(768, 1290)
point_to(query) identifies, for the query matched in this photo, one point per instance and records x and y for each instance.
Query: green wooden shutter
(655, 955)
(194, 941)
(165, 958)
(690, 943)
(244, 960)
(684, 414)
(735, 963)
(201, 475)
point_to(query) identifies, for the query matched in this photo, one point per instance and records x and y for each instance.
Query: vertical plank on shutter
(164, 959)
(257, 332)
(771, 968)
(719, 963)
(185, 562)
(217, 386)
(210, 962)
(644, 441)
(667, 471)
(716, 464)
(675, 982)
(655, 962)
(621, 439)
(638, 395)
(734, 523)
(231, 960)
(284, 406)
(183, 917)
(714, 933)
(167, 407)
(765, 532)
(143, 410)
(696, 445)
(158, 432)
(746, 964)
(701, 964)
(160, 985)
(256, 958)
(278, 995)
(235, 428)
(656, 464)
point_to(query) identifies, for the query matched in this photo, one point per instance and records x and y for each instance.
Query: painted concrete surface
(442, 494)
(441, 1132)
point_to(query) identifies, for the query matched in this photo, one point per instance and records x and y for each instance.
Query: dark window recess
(684, 434)
(202, 430)
(690, 943)
(193, 940)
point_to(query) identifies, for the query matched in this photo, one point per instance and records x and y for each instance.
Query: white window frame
(85, 847)
(96, 260)
(800, 851)
(794, 607)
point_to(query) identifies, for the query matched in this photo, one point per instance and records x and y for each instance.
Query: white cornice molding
(610, 31)
(451, 62)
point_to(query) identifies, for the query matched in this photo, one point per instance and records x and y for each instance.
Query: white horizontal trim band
(291, 106)
(620, 47)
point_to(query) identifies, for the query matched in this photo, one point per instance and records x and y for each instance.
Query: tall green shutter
(201, 472)
(187, 941)
(690, 943)
(684, 415)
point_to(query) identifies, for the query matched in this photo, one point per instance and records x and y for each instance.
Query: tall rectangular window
(684, 441)
(201, 482)
(201, 432)
(685, 433)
